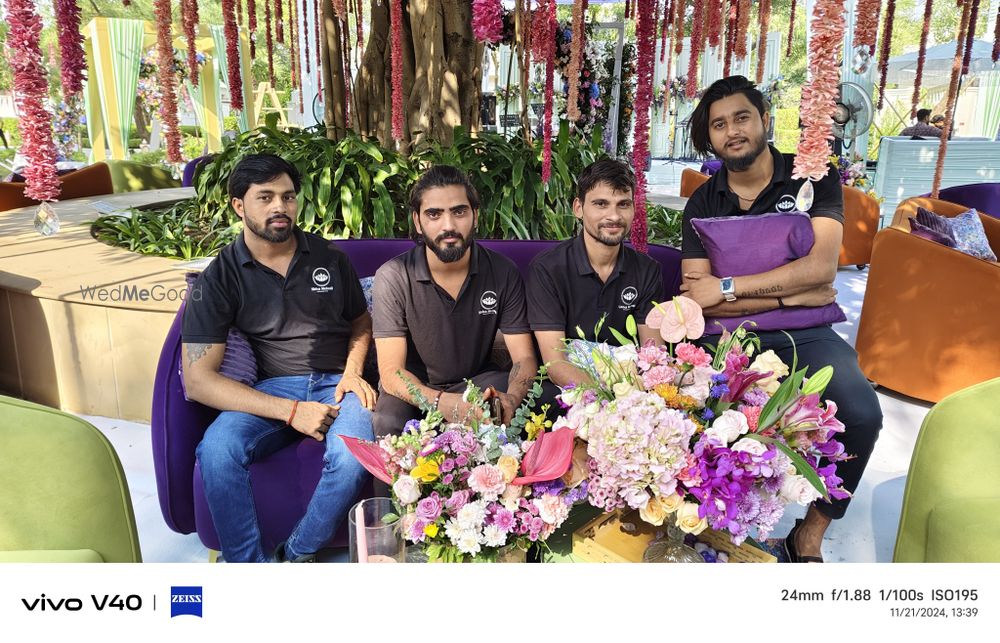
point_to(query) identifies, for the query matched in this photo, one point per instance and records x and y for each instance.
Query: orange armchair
(691, 180)
(861, 218)
(89, 181)
(928, 322)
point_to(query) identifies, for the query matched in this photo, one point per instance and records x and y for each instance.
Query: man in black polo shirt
(299, 302)
(437, 309)
(731, 121)
(593, 275)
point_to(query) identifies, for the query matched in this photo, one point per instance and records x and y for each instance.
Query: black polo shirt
(448, 340)
(564, 290)
(296, 325)
(715, 199)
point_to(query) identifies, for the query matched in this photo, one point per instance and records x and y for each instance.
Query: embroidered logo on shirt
(321, 277)
(629, 296)
(786, 203)
(489, 302)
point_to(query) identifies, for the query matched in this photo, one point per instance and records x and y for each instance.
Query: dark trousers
(857, 405)
(392, 413)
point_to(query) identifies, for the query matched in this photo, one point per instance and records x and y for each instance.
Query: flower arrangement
(773, 90)
(711, 438)
(852, 170)
(465, 491)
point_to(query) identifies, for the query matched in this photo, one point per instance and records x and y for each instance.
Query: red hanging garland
(189, 16)
(921, 56)
(232, 52)
(996, 38)
(340, 9)
(74, 64)
(886, 43)
(956, 75)
(715, 23)
(268, 34)
(167, 80)
(645, 35)
(359, 18)
(664, 30)
(791, 31)
(697, 39)
(305, 34)
(576, 53)
(765, 22)
(396, 22)
(628, 9)
(730, 37)
(819, 95)
(679, 7)
(319, 42)
(31, 88)
(279, 22)
(742, 25)
(548, 42)
(971, 37)
(252, 27)
(346, 57)
(239, 12)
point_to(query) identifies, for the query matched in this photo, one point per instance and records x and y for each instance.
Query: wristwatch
(728, 286)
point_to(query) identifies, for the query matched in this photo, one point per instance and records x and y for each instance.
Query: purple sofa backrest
(984, 197)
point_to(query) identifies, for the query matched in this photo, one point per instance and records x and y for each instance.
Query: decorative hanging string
(576, 52)
(791, 31)
(279, 20)
(697, 38)
(548, 42)
(645, 35)
(765, 22)
(168, 80)
(714, 22)
(396, 22)
(820, 93)
(189, 16)
(74, 64)
(252, 27)
(664, 30)
(970, 38)
(949, 113)
(886, 43)
(270, 41)
(31, 89)
(730, 37)
(742, 25)
(921, 56)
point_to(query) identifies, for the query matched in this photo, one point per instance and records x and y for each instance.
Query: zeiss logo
(185, 600)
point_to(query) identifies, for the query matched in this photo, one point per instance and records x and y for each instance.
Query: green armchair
(63, 495)
(129, 176)
(951, 506)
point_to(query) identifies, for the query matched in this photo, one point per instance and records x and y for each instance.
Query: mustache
(448, 235)
(279, 217)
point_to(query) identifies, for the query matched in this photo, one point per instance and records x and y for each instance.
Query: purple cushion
(918, 229)
(776, 240)
(935, 222)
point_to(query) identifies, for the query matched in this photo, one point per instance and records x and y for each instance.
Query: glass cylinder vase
(371, 539)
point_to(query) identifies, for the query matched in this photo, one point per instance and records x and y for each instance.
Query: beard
(266, 233)
(741, 163)
(448, 254)
(609, 239)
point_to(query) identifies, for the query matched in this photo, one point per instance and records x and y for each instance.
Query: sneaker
(279, 556)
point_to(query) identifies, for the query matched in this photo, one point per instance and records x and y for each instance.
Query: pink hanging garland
(74, 64)
(921, 56)
(269, 35)
(765, 22)
(791, 31)
(232, 52)
(679, 6)
(668, 14)
(487, 20)
(305, 35)
(971, 37)
(956, 75)
(715, 22)
(866, 23)
(548, 42)
(886, 43)
(167, 79)
(697, 39)
(645, 32)
(31, 88)
(396, 20)
(730, 37)
(189, 17)
(576, 53)
(742, 25)
(819, 95)
(340, 9)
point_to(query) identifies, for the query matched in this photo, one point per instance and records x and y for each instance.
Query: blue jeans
(236, 440)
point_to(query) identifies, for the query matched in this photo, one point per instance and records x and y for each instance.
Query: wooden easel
(265, 92)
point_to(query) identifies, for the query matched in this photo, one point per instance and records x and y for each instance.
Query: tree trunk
(442, 73)
(334, 93)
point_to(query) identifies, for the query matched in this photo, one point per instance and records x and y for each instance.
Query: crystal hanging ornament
(862, 60)
(46, 220)
(804, 199)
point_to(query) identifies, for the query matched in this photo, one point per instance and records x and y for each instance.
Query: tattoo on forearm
(514, 370)
(196, 352)
(761, 292)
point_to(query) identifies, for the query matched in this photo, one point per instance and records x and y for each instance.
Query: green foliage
(180, 231)
(152, 157)
(664, 225)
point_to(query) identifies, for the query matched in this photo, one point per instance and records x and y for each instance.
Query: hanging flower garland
(765, 22)
(340, 9)
(548, 18)
(305, 34)
(996, 37)
(279, 22)
(74, 64)
(251, 26)
(396, 21)
(714, 23)
(956, 75)
(487, 21)
(628, 9)
(645, 35)
(883, 58)
(791, 31)
(819, 95)
(359, 18)
(167, 79)
(269, 35)
(866, 23)
(697, 39)
(730, 36)
(319, 46)
(971, 37)
(189, 17)
(668, 14)
(232, 52)
(346, 58)
(576, 52)
(31, 88)
(921, 56)
(239, 12)
(679, 10)
(742, 25)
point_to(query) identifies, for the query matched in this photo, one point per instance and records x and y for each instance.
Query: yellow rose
(688, 520)
(672, 502)
(426, 470)
(769, 362)
(654, 512)
(508, 465)
(431, 530)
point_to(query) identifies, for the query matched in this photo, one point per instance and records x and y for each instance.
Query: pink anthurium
(369, 455)
(548, 458)
(678, 319)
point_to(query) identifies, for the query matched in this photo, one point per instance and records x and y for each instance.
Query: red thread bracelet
(295, 407)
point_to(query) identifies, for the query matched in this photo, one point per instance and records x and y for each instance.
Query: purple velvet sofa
(984, 197)
(284, 482)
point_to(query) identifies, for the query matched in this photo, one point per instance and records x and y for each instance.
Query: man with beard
(592, 276)
(298, 300)
(731, 121)
(437, 309)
